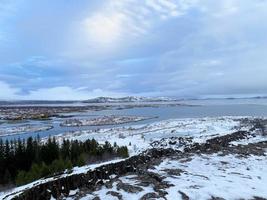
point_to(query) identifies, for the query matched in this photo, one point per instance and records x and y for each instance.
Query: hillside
(205, 158)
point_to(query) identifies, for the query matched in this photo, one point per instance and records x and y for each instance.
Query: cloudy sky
(77, 49)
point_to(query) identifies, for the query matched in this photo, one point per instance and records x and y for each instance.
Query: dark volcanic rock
(216, 198)
(115, 194)
(184, 196)
(174, 172)
(258, 198)
(216, 144)
(93, 177)
(128, 188)
(150, 196)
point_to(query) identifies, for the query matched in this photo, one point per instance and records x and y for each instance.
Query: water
(202, 108)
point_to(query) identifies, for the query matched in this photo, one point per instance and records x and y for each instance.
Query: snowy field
(139, 137)
(206, 176)
(200, 176)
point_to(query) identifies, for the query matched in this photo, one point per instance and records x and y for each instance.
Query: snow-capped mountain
(128, 99)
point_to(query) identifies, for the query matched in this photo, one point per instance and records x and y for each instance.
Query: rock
(162, 193)
(258, 198)
(115, 194)
(148, 178)
(172, 142)
(183, 195)
(108, 184)
(128, 188)
(216, 198)
(174, 172)
(150, 196)
(159, 185)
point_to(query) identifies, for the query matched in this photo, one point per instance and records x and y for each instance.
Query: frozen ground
(198, 178)
(207, 176)
(216, 158)
(139, 137)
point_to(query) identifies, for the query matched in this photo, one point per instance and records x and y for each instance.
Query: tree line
(23, 161)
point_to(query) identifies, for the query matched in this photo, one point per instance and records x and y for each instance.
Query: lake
(201, 108)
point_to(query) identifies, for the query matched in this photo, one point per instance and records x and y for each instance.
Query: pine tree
(24, 162)
(7, 177)
(21, 178)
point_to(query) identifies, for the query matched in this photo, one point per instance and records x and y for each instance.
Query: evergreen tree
(25, 161)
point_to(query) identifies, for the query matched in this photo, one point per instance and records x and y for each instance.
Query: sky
(80, 49)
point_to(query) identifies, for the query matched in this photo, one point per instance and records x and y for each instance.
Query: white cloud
(54, 93)
(104, 30)
(118, 24)
(192, 46)
(68, 93)
(171, 8)
(7, 92)
(114, 24)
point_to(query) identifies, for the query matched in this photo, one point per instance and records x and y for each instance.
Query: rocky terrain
(230, 165)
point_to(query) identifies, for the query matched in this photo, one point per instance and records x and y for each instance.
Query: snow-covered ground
(228, 177)
(250, 139)
(104, 192)
(139, 137)
(8, 195)
(200, 176)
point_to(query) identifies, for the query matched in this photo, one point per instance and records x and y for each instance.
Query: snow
(73, 192)
(129, 99)
(139, 137)
(102, 193)
(250, 139)
(8, 195)
(86, 168)
(204, 176)
(228, 177)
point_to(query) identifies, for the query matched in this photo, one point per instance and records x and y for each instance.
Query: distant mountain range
(128, 99)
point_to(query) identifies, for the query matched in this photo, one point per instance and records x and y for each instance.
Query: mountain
(128, 99)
